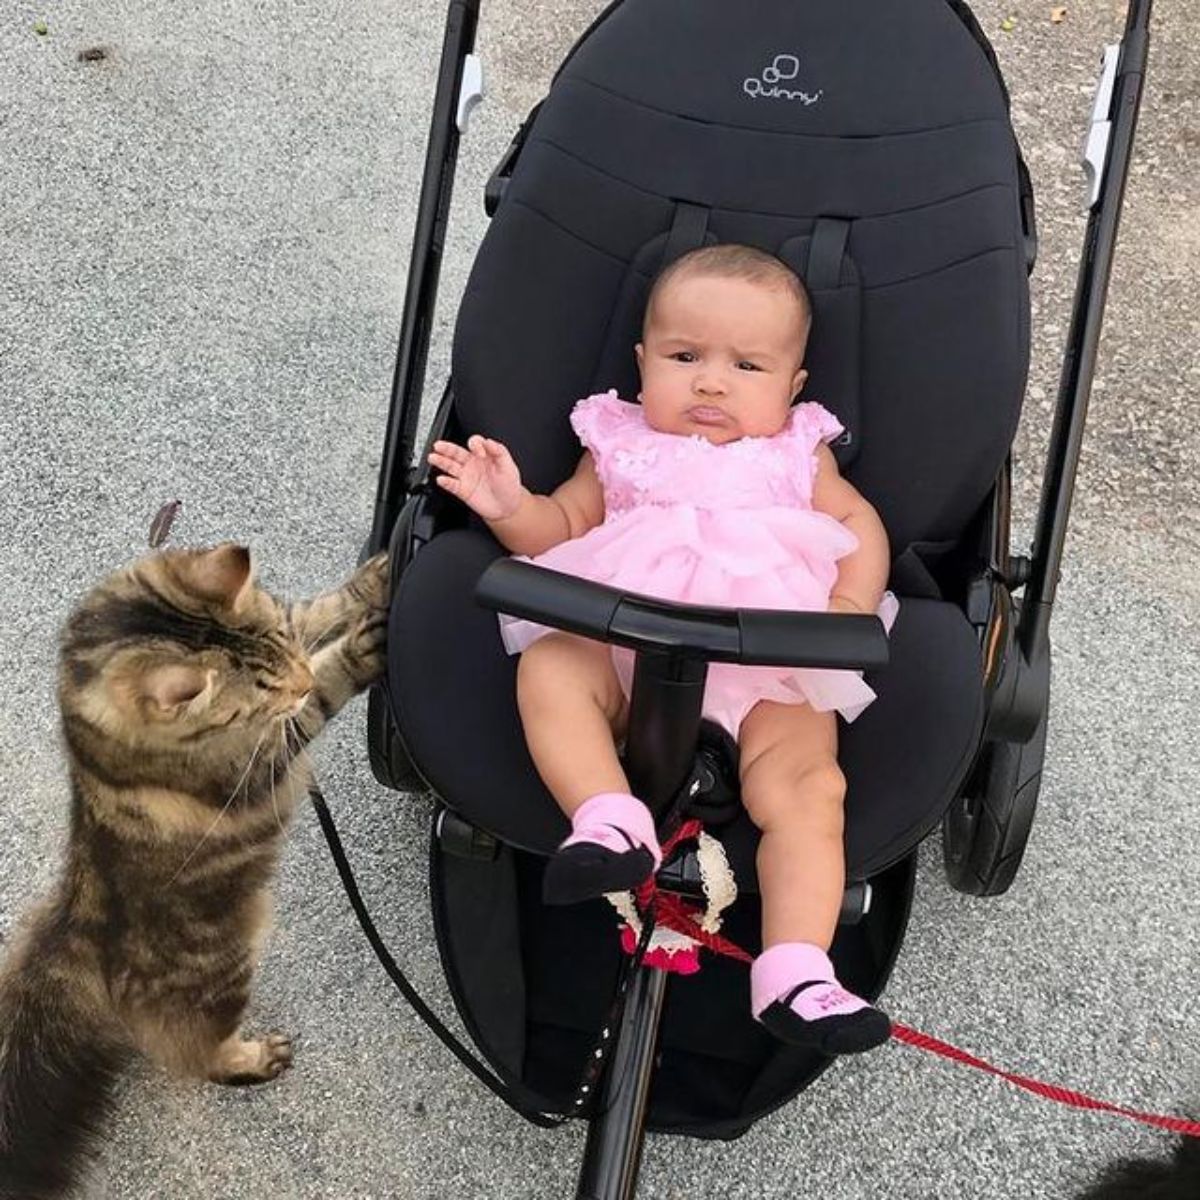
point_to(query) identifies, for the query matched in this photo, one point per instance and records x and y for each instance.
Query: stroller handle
(750, 636)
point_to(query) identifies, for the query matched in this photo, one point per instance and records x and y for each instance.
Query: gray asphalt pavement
(203, 240)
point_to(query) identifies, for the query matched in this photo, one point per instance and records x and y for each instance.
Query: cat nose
(303, 683)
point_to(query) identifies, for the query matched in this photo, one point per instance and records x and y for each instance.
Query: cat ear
(220, 575)
(173, 685)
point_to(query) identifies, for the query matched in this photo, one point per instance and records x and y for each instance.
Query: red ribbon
(923, 1041)
(672, 913)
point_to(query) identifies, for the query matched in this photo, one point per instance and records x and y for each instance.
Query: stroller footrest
(681, 875)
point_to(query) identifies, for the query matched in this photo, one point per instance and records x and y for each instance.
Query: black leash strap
(464, 1056)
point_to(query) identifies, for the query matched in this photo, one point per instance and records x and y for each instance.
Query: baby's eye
(684, 356)
(745, 365)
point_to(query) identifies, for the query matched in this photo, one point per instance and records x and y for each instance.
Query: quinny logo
(784, 68)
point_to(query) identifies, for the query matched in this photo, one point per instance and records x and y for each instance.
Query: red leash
(672, 913)
(1051, 1091)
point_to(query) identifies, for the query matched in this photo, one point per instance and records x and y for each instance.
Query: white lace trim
(720, 891)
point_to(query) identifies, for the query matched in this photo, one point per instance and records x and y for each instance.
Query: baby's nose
(710, 383)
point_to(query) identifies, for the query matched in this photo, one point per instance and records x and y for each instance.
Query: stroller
(869, 147)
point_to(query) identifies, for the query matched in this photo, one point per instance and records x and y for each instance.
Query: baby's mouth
(707, 414)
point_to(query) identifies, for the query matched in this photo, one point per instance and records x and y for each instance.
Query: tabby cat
(188, 695)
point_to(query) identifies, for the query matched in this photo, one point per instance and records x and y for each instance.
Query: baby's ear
(798, 382)
(171, 687)
(640, 353)
(220, 575)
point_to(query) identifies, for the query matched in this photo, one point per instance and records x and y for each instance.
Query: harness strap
(825, 254)
(688, 231)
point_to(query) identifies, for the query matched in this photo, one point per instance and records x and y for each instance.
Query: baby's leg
(793, 790)
(573, 711)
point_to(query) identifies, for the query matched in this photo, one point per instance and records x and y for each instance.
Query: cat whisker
(295, 629)
(224, 809)
(298, 743)
(292, 742)
(309, 645)
(296, 740)
(286, 766)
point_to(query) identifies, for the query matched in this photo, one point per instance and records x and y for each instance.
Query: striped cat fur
(188, 695)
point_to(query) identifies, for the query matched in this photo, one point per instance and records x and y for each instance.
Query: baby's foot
(795, 995)
(612, 848)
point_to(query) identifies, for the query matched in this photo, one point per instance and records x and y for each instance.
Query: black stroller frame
(985, 829)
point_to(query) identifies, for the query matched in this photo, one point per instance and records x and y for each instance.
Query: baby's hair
(729, 260)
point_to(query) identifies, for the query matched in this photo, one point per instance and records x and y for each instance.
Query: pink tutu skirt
(775, 558)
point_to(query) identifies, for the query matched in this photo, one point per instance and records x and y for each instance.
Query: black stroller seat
(870, 148)
(903, 758)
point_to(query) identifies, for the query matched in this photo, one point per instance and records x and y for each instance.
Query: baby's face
(721, 358)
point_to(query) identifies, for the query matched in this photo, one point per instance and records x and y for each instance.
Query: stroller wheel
(985, 830)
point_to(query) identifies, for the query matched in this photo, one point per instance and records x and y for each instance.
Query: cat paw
(367, 649)
(242, 1063)
(371, 583)
(278, 1053)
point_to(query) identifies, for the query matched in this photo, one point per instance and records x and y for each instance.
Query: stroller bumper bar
(750, 636)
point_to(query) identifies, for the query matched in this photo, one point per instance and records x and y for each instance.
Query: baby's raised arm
(485, 478)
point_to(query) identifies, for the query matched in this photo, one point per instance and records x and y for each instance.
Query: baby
(714, 490)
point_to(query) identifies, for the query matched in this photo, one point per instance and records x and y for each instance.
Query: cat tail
(61, 1053)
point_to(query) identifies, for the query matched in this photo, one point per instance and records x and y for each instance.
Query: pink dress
(729, 525)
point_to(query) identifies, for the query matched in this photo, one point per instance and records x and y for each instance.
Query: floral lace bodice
(638, 465)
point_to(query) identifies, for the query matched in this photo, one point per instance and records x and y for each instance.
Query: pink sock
(603, 819)
(781, 968)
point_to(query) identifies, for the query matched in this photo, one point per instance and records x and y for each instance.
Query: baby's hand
(483, 476)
